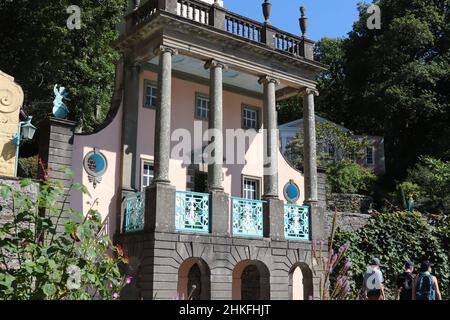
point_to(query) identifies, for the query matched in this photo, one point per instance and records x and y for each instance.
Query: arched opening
(301, 282)
(251, 281)
(194, 281)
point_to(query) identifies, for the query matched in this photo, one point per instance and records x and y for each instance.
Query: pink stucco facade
(108, 141)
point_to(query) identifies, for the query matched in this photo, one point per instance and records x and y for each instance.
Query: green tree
(343, 142)
(39, 50)
(346, 176)
(393, 82)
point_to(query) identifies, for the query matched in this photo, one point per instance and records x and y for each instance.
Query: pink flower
(115, 296)
(128, 279)
(110, 285)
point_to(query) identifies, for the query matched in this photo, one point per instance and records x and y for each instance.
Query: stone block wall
(349, 203)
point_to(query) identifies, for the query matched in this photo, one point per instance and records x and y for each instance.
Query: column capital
(307, 91)
(162, 49)
(215, 64)
(268, 79)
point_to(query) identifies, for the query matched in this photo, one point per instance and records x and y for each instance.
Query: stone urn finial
(267, 7)
(303, 21)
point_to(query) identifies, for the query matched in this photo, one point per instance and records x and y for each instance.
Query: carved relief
(11, 99)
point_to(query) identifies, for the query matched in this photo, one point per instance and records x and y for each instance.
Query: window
(331, 151)
(201, 106)
(250, 188)
(147, 174)
(250, 118)
(150, 94)
(370, 155)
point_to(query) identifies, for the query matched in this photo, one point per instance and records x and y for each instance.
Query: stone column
(160, 196)
(130, 125)
(273, 206)
(163, 113)
(309, 153)
(219, 199)
(215, 175)
(270, 137)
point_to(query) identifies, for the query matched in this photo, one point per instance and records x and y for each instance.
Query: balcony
(192, 215)
(223, 20)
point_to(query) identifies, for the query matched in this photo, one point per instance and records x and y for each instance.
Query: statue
(410, 202)
(60, 109)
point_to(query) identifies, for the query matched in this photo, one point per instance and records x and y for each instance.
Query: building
(374, 158)
(220, 229)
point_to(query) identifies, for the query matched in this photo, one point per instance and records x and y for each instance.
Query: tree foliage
(39, 50)
(349, 177)
(345, 145)
(393, 82)
(396, 238)
(48, 252)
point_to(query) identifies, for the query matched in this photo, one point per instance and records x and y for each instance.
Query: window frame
(258, 116)
(143, 163)
(372, 151)
(199, 95)
(154, 85)
(258, 186)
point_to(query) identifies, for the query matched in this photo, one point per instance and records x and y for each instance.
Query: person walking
(373, 281)
(426, 285)
(405, 282)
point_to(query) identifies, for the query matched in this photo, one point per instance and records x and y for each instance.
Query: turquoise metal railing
(247, 217)
(133, 209)
(296, 222)
(192, 212)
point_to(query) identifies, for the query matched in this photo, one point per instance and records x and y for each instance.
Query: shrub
(52, 253)
(432, 176)
(28, 167)
(349, 177)
(396, 238)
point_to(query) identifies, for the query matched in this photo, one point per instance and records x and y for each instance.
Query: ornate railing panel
(192, 212)
(247, 217)
(296, 222)
(243, 27)
(193, 10)
(133, 210)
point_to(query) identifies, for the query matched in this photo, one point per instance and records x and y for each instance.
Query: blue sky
(327, 18)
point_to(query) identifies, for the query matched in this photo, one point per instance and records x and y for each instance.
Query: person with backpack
(373, 281)
(405, 282)
(426, 286)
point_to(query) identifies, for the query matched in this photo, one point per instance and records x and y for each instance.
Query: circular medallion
(291, 192)
(95, 164)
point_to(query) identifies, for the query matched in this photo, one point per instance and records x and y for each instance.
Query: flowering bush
(51, 253)
(335, 270)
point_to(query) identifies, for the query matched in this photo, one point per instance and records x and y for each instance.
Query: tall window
(147, 174)
(250, 188)
(370, 155)
(201, 106)
(249, 118)
(150, 94)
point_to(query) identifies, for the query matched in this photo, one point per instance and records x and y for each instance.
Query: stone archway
(301, 282)
(194, 280)
(251, 281)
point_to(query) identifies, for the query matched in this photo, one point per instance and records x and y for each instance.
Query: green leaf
(49, 289)
(25, 183)
(5, 191)
(82, 188)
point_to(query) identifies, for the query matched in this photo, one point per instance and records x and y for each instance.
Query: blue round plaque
(291, 192)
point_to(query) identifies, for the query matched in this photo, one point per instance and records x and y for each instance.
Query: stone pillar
(160, 196)
(270, 138)
(215, 175)
(309, 153)
(11, 99)
(273, 207)
(219, 200)
(130, 125)
(163, 113)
